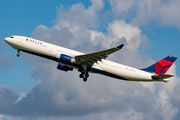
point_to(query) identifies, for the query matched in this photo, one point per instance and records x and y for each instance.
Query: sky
(32, 87)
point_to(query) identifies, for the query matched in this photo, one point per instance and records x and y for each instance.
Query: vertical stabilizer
(161, 67)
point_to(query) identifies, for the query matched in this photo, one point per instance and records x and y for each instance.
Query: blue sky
(160, 31)
(27, 15)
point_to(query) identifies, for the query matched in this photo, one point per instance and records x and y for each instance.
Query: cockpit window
(11, 37)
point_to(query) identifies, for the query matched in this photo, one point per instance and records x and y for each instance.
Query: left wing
(92, 58)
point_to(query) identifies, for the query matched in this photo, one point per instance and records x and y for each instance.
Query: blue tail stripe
(151, 69)
(170, 58)
(164, 68)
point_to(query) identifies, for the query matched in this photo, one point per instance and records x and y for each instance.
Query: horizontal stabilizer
(161, 76)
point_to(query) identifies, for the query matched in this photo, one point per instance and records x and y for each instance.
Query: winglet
(120, 46)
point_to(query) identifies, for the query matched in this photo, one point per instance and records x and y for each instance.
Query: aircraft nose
(6, 39)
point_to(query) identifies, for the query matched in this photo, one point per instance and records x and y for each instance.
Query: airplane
(91, 63)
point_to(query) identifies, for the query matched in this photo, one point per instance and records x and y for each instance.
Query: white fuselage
(53, 52)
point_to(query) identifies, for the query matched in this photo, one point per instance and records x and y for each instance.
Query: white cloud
(131, 33)
(7, 98)
(120, 6)
(142, 12)
(1, 116)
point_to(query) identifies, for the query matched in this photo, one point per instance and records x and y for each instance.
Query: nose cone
(6, 39)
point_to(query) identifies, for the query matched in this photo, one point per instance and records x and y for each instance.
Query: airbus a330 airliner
(94, 62)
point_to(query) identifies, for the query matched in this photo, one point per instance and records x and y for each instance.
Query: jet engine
(66, 59)
(64, 67)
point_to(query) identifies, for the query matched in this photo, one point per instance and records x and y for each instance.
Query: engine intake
(66, 59)
(64, 67)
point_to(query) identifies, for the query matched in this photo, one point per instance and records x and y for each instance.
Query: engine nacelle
(64, 67)
(66, 59)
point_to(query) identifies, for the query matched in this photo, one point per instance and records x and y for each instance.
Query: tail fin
(161, 67)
